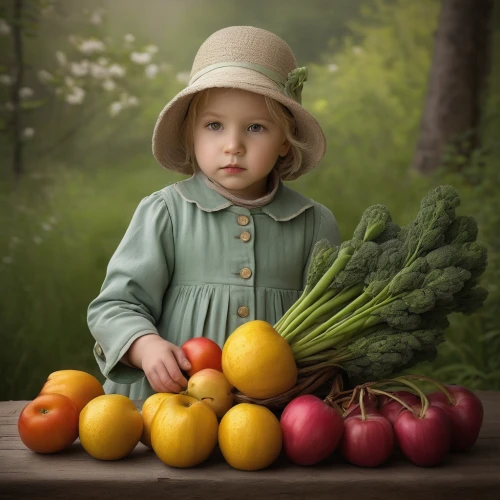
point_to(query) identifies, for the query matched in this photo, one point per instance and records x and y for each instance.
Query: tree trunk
(17, 143)
(460, 66)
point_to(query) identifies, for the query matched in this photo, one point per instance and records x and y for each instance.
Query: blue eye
(214, 126)
(255, 128)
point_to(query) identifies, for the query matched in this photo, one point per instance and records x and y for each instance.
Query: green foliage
(367, 92)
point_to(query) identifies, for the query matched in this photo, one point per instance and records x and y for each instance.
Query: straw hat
(247, 58)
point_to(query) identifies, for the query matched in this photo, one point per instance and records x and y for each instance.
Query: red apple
(311, 429)
(202, 353)
(369, 442)
(465, 414)
(425, 440)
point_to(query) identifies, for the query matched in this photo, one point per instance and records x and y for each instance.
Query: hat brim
(167, 145)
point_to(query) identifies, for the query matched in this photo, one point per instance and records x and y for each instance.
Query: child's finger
(182, 361)
(175, 372)
(164, 382)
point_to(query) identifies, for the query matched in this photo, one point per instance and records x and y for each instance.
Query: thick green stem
(329, 339)
(333, 320)
(321, 286)
(284, 332)
(332, 326)
(289, 312)
(310, 316)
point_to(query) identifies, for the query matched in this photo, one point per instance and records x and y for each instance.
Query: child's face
(236, 141)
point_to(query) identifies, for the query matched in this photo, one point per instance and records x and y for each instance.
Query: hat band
(291, 86)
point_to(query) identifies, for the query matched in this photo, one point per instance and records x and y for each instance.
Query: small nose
(234, 143)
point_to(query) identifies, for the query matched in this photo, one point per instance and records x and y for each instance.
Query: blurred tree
(460, 67)
(94, 75)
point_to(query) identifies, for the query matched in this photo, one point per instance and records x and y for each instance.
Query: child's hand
(161, 361)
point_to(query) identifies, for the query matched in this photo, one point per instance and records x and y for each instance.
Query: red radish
(465, 412)
(311, 429)
(367, 442)
(426, 439)
(390, 408)
(370, 407)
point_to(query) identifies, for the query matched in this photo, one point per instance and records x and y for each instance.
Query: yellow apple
(250, 437)
(184, 431)
(149, 409)
(110, 427)
(213, 388)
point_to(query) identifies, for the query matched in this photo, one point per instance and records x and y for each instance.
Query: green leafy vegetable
(379, 302)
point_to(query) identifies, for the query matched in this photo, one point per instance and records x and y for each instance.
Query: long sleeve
(130, 302)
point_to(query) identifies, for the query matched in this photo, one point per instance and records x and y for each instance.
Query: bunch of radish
(424, 427)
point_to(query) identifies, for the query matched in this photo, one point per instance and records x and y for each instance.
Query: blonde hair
(286, 165)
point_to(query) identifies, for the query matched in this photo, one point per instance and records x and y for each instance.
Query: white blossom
(140, 57)
(46, 226)
(108, 85)
(76, 97)
(132, 101)
(6, 79)
(80, 69)
(28, 133)
(37, 240)
(116, 70)
(61, 58)
(151, 70)
(183, 77)
(69, 81)
(52, 220)
(103, 61)
(7, 260)
(91, 46)
(4, 27)
(98, 71)
(96, 17)
(26, 93)
(44, 76)
(151, 49)
(129, 38)
(357, 49)
(332, 68)
(115, 108)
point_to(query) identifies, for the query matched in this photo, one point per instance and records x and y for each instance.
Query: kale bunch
(379, 302)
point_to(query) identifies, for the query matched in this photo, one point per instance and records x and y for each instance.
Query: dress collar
(285, 205)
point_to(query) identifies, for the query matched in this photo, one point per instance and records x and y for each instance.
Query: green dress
(193, 264)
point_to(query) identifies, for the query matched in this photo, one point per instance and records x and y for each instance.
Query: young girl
(231, 243)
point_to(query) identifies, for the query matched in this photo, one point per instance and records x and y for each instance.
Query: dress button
(243, 220)
(243, 312)
(245, 273)
(99, 351)
(245, 236)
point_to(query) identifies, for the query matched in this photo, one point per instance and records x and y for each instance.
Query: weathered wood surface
(73, 474)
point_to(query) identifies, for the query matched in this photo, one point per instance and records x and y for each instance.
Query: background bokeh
(97, 73)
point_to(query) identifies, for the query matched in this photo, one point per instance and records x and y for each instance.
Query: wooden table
(73, 474)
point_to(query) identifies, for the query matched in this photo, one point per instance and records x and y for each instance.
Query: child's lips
(233, 169)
